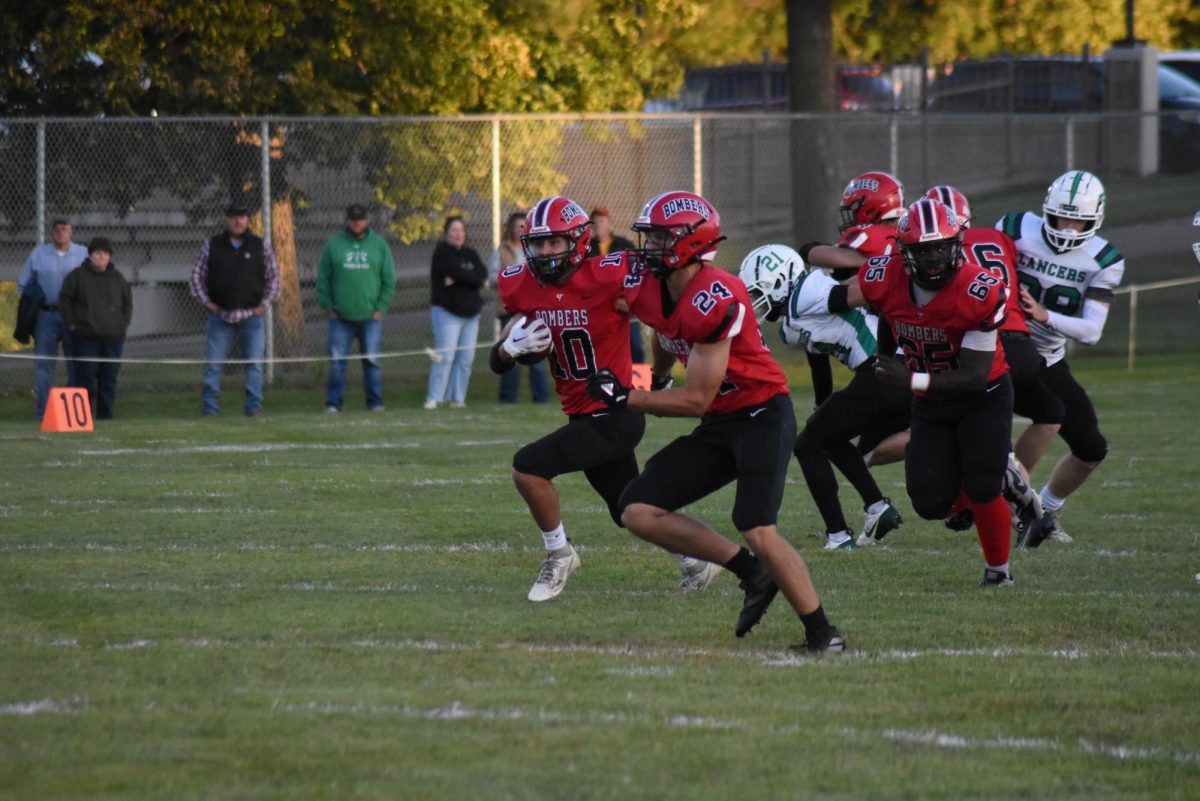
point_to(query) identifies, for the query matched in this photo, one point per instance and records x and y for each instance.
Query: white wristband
(919, 382)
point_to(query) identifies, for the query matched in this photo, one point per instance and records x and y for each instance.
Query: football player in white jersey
(780, 284)
(1067, 275)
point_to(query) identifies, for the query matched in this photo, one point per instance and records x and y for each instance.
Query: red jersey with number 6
(995, 250)
(714, 306)
(931, 335)
(587, 329)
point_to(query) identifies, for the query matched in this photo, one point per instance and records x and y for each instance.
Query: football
(535, 357)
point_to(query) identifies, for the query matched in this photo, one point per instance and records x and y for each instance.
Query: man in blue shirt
(49, 264)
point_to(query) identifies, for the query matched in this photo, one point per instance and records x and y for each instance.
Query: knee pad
(929, 506)
(1088, 447)
(805, 443)
(981, 486)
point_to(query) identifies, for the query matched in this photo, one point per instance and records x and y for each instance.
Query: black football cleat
(833, 642)
(760, 590)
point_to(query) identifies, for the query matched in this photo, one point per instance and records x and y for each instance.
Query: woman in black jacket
(456, 276)
(97, 307)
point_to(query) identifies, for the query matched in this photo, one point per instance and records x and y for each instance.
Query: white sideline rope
(434, 356)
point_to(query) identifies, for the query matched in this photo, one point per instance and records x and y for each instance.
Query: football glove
(657, 384)
(604, 386)
(529, 335)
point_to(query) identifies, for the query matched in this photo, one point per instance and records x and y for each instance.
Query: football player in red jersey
(702, 315)
(995, 250)
(870, 204)
(573, 307)
(945, 319)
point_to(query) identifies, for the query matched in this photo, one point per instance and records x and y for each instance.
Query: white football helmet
(1074, 195)
(769, 273)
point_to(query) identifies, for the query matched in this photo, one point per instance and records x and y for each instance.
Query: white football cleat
(697, 574)
(557, 567)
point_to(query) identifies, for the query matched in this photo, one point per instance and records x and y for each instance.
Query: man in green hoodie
(97, 307)
(356, 281)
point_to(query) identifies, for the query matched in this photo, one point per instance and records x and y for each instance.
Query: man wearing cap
(356, 281)
(48, 265)
(236, 279)
(97, 307)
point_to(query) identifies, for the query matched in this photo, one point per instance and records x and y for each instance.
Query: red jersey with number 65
(587, 329)
(931, 335)
(714, 306)
(995, 250)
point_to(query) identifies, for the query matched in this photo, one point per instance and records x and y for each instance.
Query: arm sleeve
(272, 267)
(1086, 328)
(26, 274)
(822, 376)
(325, 279)
(200, 276)
(66, 300)
(387, 279)
(127, 300)
(838, 296)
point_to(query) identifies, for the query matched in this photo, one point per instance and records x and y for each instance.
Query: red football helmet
(949, 196)
(550, 217)
(930, 237)
(675, 229)
(871, 197)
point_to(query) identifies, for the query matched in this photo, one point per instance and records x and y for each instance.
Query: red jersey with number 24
(714, 306)
(587, 329)
(931, 335)
(995, 250)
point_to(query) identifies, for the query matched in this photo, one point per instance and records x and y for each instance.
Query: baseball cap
(236, 208)
(356, 211)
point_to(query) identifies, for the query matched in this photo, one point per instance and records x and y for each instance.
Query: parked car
(1185, 61)
(1065, 85)
(1179, 133)
(757, 86)
(864, 89)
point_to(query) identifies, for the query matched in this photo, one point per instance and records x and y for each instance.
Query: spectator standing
(603, 243)
(456, 276)
(97, 307)
(356, 281)
(48, 265)
(508, 254)
(236, 279)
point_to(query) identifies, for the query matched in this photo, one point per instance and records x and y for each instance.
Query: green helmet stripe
(1075, 186)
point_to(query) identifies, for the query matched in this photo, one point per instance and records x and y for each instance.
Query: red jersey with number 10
(931, 335)
(714, 306)
(995, 250)
(586, 327)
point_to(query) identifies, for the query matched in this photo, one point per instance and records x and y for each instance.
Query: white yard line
(457, 711)
(263, 447)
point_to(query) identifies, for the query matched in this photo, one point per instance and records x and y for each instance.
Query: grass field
(316, 607)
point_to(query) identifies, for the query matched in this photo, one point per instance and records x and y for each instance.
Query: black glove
(656, 383)
(604, 386)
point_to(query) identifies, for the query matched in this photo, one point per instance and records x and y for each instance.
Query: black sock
(815, 624)
(743, 565)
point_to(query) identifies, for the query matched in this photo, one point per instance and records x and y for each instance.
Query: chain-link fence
(157, 188)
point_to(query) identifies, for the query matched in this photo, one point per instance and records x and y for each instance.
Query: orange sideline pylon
(68, 409)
